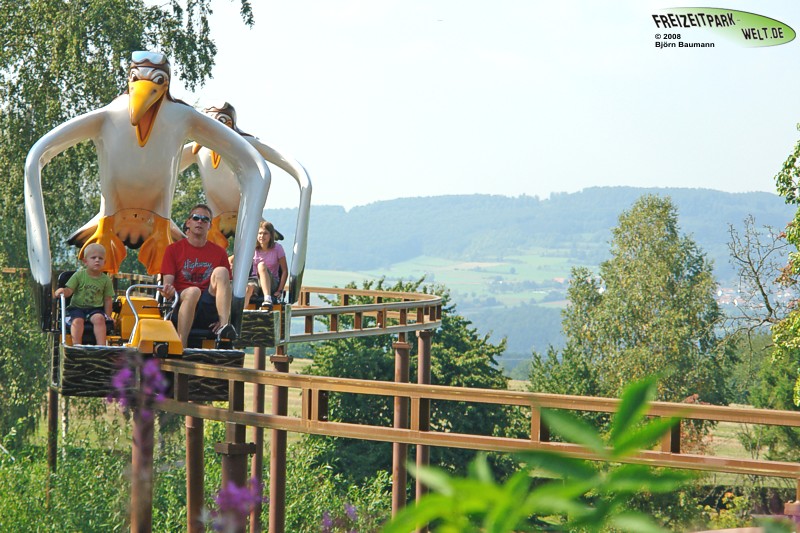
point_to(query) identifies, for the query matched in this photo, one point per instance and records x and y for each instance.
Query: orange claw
(115, 249)
(152, 252)
(215, 235)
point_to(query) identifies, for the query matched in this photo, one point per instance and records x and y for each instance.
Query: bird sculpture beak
(145, 99)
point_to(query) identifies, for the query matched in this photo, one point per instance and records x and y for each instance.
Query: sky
(383, 99)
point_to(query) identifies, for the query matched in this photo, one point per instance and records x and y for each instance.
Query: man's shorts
(205, 314)
(84, 313)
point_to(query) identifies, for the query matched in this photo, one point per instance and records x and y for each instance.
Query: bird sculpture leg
(152, 251)
(115, 249)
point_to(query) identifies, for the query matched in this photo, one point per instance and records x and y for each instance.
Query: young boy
(92, 295)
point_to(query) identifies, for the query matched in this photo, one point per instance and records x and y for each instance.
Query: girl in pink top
(269, 265)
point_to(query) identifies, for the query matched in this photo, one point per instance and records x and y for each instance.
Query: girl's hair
(271, 229)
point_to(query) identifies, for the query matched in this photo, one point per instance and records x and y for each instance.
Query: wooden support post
(671, 442)
(400, 450)
(792, 509)
(277, 463)
(539, 431)
(423, 378)
(195, 464)
(257, 462)
(234, 450)
(142, 468)
(195, 474)
(52, 437)
(52, 430)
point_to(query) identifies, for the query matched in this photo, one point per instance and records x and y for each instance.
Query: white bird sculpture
(222, 190)
(139, 139)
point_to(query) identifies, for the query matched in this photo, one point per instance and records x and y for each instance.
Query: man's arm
(169, 289)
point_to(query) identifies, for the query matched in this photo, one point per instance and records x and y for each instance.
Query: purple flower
(122, 380)
(121, 384)
(352, 514)
(327, 522)
(153, 386)
(234, 503)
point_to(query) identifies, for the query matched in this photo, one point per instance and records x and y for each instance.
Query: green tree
(459, 357)
(786, 333)
(650, 310)
(60, 58)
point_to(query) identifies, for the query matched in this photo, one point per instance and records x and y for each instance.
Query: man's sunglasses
(201, 218)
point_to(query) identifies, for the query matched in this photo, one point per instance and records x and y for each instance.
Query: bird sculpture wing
(254, 180)
(68, 134)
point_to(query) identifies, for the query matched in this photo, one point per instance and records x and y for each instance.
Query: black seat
(88, 327)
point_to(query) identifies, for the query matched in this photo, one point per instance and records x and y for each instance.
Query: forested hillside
(485, 228)
(506, 259)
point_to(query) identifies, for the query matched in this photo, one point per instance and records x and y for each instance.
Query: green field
(510, 281)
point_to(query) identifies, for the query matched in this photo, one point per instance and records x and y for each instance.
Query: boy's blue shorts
(84, 313)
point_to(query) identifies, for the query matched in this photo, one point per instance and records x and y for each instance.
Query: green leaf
(643, 438)
(634, 404)
(544, 503)
(434, 478)
(473, 496)
(574, 430)
(638, 478)
(558, 497)
(558, 464)
(431, 507)
(574, 488)
(509, 510)
(479, 469)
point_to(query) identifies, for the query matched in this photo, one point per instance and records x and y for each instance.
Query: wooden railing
(313, 417)
(387, 313)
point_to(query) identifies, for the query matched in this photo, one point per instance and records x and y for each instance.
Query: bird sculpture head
(148, 84)
(225, 113)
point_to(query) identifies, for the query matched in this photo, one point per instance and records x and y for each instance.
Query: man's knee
(220, 274)
(190, 295)
(220, 277)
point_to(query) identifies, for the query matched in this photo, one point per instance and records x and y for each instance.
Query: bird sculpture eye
(133, 76)
(160, 79)
(224, 119)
